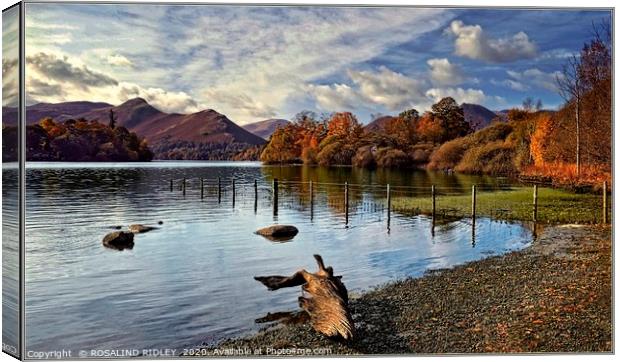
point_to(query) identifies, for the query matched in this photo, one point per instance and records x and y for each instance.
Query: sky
(254, 63)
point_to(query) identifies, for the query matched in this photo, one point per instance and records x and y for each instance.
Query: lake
(191, 280)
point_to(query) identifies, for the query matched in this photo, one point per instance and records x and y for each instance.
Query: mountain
(57, 111)
(202, 135)
(266, 128)
(378, 125)
(477, 116)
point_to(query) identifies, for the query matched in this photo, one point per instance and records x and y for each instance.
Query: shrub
(448, 155)
(494, 158)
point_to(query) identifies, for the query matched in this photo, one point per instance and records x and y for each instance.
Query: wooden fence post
(389, 205)
(535, 211)
(171, 185)
(275, 196)
(604, 202)
(311, 201)
(233, 192)
(184, 185)
(346, 203)
(219, 190)
(255, 195)
(433, 195)
(473, 203)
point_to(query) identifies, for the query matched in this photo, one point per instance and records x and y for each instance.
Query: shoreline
(554, 296)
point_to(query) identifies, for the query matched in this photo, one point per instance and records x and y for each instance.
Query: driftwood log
(324, 298)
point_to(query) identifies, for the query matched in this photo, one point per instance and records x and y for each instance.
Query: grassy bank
(554, 205)
(552, 297)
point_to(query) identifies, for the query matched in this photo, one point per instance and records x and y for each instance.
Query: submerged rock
(118, 240)
(278, 232)
(139, 228)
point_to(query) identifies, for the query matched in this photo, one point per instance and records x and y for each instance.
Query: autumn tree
(452, 119)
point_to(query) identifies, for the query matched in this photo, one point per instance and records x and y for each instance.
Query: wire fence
(442, 203)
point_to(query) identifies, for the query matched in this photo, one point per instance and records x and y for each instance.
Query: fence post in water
(433, 195)
(535, 212)
(473, 203)
(184, 184)
(170, 185)
(275, 196)
(233, 192)
(346, 203)
(255, 195)
(202, 188)
(311, 201)
(219, 190)
(389, 205)
(604, 202)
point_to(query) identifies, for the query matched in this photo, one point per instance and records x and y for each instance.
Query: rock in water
(118, 240)
(138, 228)
(278, 232)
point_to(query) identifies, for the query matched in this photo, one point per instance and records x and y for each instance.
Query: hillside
(378, 125)
(76, 140)
(265, 129)
(56, 111)
(202, 135)
(477, 116)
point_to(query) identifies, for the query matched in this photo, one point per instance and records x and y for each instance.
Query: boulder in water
(139, 228)
(118, 240)
(278, 232)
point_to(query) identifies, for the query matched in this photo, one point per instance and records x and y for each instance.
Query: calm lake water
(191, 280)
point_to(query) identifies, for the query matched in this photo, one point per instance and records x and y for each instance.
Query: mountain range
(202, 135)
(266, 128)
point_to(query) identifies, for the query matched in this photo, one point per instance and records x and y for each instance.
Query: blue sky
(253, 63)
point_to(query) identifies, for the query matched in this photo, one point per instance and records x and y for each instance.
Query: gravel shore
(552, 297)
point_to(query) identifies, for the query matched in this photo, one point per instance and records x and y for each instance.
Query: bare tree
(539, 105)
(571, 89)
(528, 104)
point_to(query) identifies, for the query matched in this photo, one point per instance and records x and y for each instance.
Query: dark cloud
(59, 69)
(38, 87)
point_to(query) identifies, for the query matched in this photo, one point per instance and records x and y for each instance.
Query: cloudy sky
(253, 63)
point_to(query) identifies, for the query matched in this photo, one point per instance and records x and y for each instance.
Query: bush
(364, 157)
(390, 157)
(449, 154)
(495, 158)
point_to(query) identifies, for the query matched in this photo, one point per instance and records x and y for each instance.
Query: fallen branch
(328, 300)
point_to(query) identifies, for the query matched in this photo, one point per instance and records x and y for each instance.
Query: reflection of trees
(366, 185)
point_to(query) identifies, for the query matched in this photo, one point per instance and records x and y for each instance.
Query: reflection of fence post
(346, 203)
(202, 188)
(184, 184)
(233, 192)
(275, 196)
(255, 195)
(604, 202)
(311, 201)
(433, 195)
(170, 185)
(389, 204)
(535, 211)
(219, 190)
(473, 203)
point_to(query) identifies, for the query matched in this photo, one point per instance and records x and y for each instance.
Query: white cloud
(393, 90)
(472, 42)
(119, 60)
(460, 95)
(533, 78)
(336, 97)
(58, 78)
(445, 73)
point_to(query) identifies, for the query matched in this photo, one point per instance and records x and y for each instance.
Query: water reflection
(191, 279)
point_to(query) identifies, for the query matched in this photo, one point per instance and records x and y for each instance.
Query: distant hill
(378, 125)
(56, 111)
(477, 116)
(266, 128)
(202, 135)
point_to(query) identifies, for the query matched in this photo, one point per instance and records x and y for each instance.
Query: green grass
(554, 205)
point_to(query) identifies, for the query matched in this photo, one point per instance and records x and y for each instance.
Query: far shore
(554, 296)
